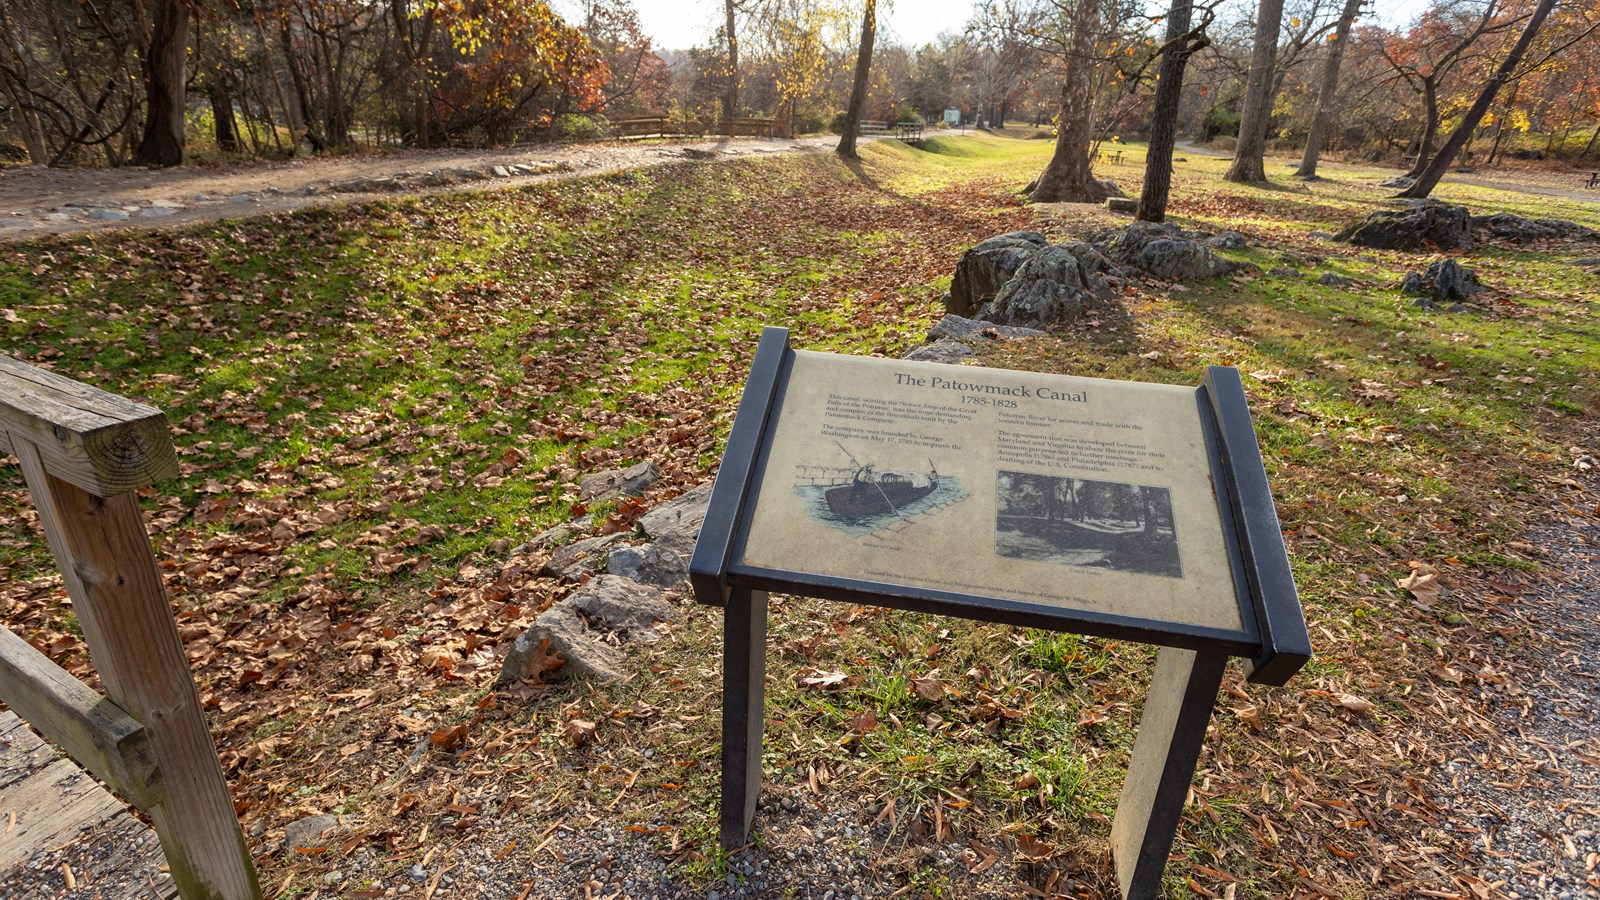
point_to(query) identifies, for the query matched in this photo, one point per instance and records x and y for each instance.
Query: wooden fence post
(75, 442)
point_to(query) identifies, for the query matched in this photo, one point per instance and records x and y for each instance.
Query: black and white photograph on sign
(1078, 522)
(860, 497)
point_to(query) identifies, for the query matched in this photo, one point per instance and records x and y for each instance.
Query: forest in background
(167, 81)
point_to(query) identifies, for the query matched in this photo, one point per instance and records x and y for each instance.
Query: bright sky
(681, 24)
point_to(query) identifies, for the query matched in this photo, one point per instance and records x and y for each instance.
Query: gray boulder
(1129, 205)
(1160, 250)
(573, 561)
(650, 564)
(1508, 227)
(632, 481)
(1052, 287)
(988, 265)
(588, 628)
(1227, 240)
(948, 351)
(679, 518)
(1334, 280)
(1444, 226)
(958, 328)
(1444, 280)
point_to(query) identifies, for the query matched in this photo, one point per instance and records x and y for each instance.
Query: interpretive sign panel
(1138, 511)
(1076, 493)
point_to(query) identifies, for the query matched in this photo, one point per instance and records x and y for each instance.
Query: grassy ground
(375, 404)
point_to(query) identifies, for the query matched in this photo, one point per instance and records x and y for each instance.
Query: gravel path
(36, 200)
(1533, 795)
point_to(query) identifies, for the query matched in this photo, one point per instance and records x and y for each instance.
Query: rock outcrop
(1427, 225)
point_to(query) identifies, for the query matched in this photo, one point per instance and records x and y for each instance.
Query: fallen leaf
(578, 731)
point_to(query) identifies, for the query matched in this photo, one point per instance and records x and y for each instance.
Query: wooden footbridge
(83, 453)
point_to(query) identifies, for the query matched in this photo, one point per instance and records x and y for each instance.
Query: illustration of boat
(873, 493)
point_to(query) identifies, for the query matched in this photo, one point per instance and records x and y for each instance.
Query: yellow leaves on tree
(512, 60)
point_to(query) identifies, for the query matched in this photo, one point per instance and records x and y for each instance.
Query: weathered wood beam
(95, 732)
(111, 575)
(100, 442)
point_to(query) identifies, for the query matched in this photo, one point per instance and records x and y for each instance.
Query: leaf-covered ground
(378, 406)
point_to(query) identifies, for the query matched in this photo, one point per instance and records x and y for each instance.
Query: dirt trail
(36, 201)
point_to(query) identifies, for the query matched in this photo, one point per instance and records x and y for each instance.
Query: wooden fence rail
(83, 452)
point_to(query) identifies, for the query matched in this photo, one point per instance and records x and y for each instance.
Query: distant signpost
(1121, 509)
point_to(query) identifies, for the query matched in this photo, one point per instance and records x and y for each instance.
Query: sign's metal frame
(1188, 670)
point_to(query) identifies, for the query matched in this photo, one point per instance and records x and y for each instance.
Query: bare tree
(165, 85)
(858, 90)
(1328, 89)
(1069, 175)
(1506, 71)
(1249, 155)
(1182, 41)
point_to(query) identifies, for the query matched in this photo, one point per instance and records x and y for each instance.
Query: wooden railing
(83, 452)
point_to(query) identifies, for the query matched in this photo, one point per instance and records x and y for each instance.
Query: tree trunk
(162, 144)
(1500, 126)
(730, 99)
(1429, 178)
(1249, 163)
(1593, 139)
(1069, 176)
(302, 96)
(1164, 111)
(858, 91)
(1430, 128)
(223, 121)
(1328, 90)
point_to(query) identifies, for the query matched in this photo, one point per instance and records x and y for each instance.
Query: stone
(108, 215)
(1333, 280)
(1420, 226)
(1284, 273)
(650, 564)
(1052, 287)
(948, 351)
(1399, 181)
(680, 516)
(588, 628)
(1159, 249)
(500, 171)
(632, 481)
(244, 198)
(307, 833)
(166, 204)
(1227, 240)
(1444, 280)
(987, 266)
(575, 560)
(157, 212)
(1508, 227)
(1129, 205)
(1319, 235)
(959, 328)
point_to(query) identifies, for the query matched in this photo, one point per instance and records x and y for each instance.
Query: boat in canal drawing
(863, 496)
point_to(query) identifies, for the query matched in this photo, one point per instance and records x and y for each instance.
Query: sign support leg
(744, 672)
(1183, 692)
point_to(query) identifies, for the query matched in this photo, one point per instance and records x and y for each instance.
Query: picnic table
(1594, 180)
(1111, 156)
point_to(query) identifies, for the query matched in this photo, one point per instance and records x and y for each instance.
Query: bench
(1111, 156)
(641, 126)
(750, 126)
(1594, 180)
